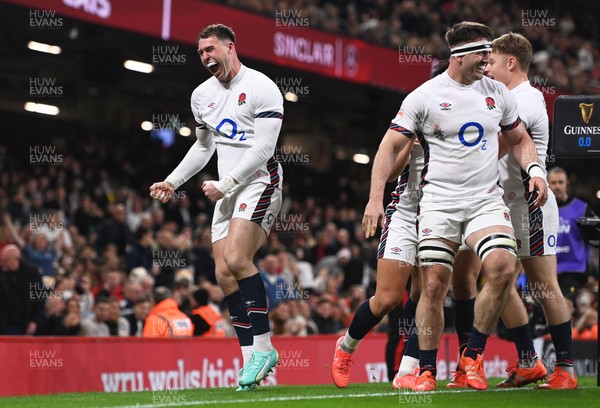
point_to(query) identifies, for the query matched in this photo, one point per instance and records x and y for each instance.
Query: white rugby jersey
(532, 111)
(229, 111)
(458, 128)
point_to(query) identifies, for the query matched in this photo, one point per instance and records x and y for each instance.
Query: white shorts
(256, 202)
(451, 220)
(535, 228)
(399, 236)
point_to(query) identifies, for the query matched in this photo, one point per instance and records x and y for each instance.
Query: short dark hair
(161, 293)
(201, 296)
(557, 169)
(467, 31)
(221, 31)
(515, 45)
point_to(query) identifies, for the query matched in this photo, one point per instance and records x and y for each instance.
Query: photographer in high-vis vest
(206, 318)
(165, 319)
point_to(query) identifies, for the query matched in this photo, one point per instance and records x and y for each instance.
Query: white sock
(349, 345)
(246, 353)
(408, 365)
(262, 342)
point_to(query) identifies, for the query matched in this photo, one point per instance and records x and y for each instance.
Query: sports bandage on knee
(486, 245)
(433, 252)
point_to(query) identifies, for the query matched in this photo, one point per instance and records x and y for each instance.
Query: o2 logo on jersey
(232, 131)
(463, 129)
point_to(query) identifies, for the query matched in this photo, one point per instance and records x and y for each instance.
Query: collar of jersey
(455, 84)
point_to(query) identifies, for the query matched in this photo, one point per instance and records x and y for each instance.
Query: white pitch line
(321, 397)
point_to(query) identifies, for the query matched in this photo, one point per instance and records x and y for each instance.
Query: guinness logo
(587, 109)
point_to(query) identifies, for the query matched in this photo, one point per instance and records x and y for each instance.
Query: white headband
(477, 46)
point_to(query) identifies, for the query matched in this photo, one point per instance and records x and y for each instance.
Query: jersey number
(233, 131)
(461, 135)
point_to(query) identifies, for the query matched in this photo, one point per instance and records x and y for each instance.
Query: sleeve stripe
(400, 129)
(269, 114)
(511, 126)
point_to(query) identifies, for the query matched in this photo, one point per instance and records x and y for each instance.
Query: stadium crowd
(98, 246)
(566, 55)
(92, 247)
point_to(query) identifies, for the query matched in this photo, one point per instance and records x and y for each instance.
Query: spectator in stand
(165, 319)
(38, 252)
(111, 285)
(182, 290)
(20, 289)
(306, 313)
(95, 325)
(206, 317)
(86, 298)
(296, 324)
(132, 292)
(279, 317)
(204, 263)
(571, 249)
(138, 317)
(276, 288)
(140, 252)
(322, 316)
(57, 320)
(115, 231)
(117, 324)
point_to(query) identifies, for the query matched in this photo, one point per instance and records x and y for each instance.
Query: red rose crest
(242, 99)
(490, 102)
(243, 207)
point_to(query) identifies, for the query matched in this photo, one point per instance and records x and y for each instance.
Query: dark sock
(253, 294)
(563, 344)
(465, 313)
(524, 342)
(364, 320)
(407, 325)
(428, 361)
(476, 343)
(239, 318)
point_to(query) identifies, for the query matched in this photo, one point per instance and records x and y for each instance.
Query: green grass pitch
(314, 396)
